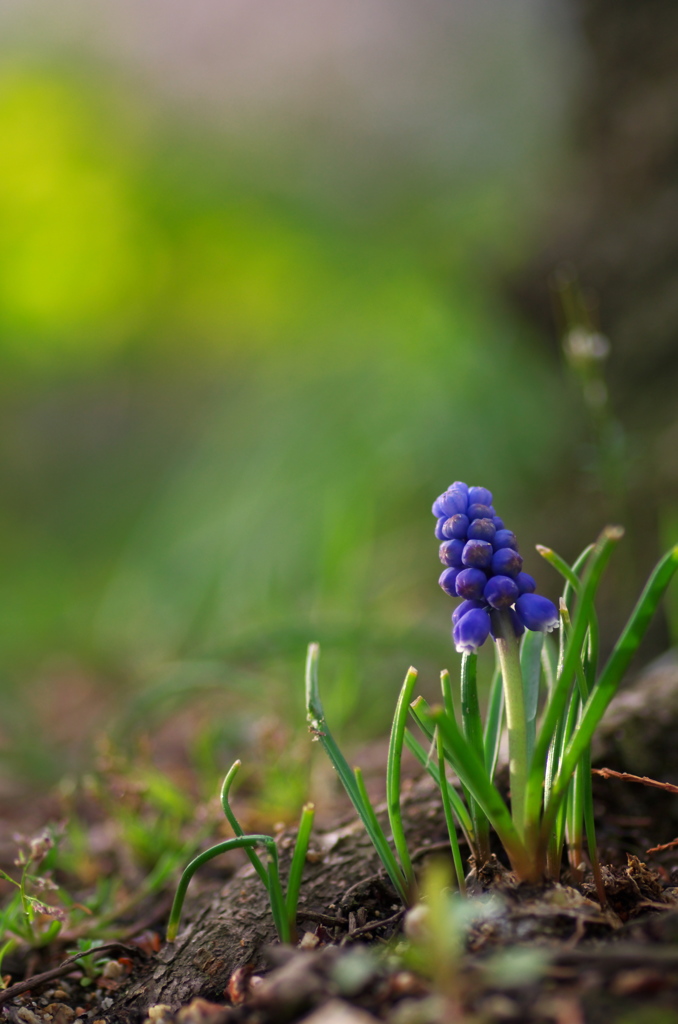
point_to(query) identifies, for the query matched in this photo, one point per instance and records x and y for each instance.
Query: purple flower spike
(463, 608)
(506, 562)
(518, 627)
(479, 496)
(526, 584)
(448, 580)
(476, 511)
(439, 529)
(450, 553)
(471, 631)
(501, 592)
(505, 539)
(537, 613)
(455, 527)
(471, 584)
(477, 554)
(481, 529)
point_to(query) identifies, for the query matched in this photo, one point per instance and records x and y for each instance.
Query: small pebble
(309, 941)
(60, 1013)
(113, 970)
(159, 1013)
(201, 1011)
(336, 1011)
(23, 1013)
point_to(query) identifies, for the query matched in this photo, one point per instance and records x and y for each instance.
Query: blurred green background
(252, 322)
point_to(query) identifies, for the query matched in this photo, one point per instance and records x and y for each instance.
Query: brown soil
(581, 964)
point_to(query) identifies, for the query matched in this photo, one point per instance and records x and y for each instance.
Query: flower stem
(507, 650)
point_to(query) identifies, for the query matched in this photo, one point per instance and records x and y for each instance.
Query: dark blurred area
(612, 229)
(270, 279)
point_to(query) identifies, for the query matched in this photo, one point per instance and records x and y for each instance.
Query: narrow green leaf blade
(393, 764)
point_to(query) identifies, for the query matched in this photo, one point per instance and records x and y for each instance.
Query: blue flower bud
(456, 527)
(471, 631)
(439, 528)
(471, 584)
(477, 554)
(518, 627)
(459, 485)
(479, 496)
(500, 592)
(526, 584)
(505, 539)
(481, 529)
(477, 511)
(465, 606)
(537, 613)
(506, 562)
(499, 523)
(452, 503)
(450, 553)
(447, 581)
(436, 509)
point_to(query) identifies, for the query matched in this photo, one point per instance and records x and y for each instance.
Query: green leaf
(350, 781)
(598, 559)
(530, 667)
(235, 824)
(297, 865)
(393, 764)
(472, 773)
(493, 722)
(239, 842)
(455, 800)
(617, 663)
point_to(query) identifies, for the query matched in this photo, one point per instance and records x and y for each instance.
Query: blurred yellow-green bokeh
(243, 345)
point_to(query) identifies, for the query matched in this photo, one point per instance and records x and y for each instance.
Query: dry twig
(66, 967)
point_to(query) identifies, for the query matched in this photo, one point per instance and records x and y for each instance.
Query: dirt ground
(526, 954)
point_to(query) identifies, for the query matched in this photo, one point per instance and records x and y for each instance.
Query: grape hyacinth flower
(485, 569)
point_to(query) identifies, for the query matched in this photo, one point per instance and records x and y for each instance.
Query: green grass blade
(617, 663)
(493, 722)
(239, 842)
(358, 797)
(297, 865)
(446, 687)
(557, 744)
(235, 824)
(530, 665)
(472, 728)
(393, 766)
(448, 704)
(278, 908)
(315, 716)
(471, 721)
(471, 771)
(449, 820)
(599, 558)
(560, 565)
(453, 797)
(384, 850)
(549, 663)
(574, 829)
(573, 583)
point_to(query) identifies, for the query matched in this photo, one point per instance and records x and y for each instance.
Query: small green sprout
(283, 908)
(27, 917)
